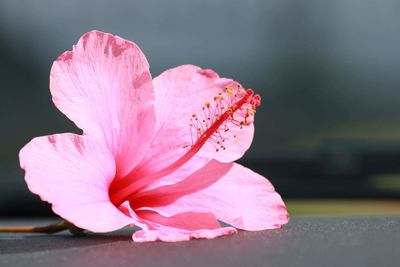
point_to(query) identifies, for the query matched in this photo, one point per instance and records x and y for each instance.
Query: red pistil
(206, 129)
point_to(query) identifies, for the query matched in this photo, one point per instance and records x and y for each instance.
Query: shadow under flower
(32, 242)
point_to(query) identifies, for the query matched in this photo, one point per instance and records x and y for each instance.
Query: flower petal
(181, 92)
(180, 227)
(105, 87)
(234, 194)
(73, 173)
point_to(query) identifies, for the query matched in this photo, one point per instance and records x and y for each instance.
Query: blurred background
(328, 132)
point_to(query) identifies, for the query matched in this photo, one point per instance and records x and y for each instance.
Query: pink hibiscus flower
(154, 153)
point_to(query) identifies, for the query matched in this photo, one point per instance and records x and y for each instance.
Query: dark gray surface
(304, 241)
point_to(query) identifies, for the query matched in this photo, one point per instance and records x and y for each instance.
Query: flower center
(234, 106)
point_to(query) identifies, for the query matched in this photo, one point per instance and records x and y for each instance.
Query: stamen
(232, 107)
(239, 114)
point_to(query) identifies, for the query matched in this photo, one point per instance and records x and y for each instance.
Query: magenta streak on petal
(123, 189)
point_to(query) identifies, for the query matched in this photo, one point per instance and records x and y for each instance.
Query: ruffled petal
(180, 227)
(73, 173)
(181, 92)
(105, 87)
(234, 194)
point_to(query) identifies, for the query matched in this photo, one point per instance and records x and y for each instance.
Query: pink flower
(154, 153)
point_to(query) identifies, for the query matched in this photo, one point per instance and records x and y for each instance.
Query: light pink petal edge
(105, 87)
(73, 173)
(233, 193)
(180, 227)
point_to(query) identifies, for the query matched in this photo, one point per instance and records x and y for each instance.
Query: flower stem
(48, 229)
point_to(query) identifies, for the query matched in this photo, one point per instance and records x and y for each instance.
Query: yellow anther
(207, 104)
(229, 91)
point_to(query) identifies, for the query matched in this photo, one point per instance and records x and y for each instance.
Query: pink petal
(234, 194)
(168, 194)
(183, 91)
(179, 93)
(73, 173)
(105, 87)
(180, 227)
